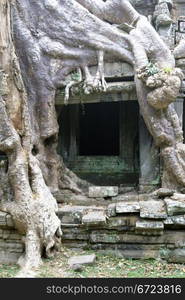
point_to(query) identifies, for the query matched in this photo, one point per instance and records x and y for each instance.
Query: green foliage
(167, 70)
(8, 271)
(109, 265)
(75, 76)
(152, 69)
(106, 265)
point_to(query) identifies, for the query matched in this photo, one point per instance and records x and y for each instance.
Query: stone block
(127, 207)
(75, 234)
(153, 209)
(9, 221)
(111, 210)
(75, 245)
(163, 192)
(179, 220)
(6, 234)
(168, 237)
(168, 221)
(71, 210)
(175, 220)
(72, 214)
(77, 209)
(149, 227)
(124, 198)
(14, 235)
(73, 219)
(94, 218)
(178, 197)
(82, 260)
(122, 222)
(103, 191)
(105, 237)
(3, 219)
(145, 197)
(8, 257)
(176, 256)
(174, 207)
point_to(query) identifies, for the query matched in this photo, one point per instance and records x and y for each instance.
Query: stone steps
(134, 226)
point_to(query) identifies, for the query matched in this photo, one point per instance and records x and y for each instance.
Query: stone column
(149, 160)
(178, 105)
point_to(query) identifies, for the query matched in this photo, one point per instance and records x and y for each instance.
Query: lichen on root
(163, 85)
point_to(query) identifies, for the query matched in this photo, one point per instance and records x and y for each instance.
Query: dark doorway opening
(99, 129)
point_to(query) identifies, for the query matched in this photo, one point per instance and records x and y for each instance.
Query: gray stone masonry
(131, 226)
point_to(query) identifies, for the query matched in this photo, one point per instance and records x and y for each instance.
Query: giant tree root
(33, 212)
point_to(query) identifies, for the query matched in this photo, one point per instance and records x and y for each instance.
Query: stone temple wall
(11, 246)
(128, 225)
(131, 226)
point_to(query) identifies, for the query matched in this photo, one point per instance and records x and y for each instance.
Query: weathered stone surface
(82, 260)
(168, 221)
(176, 256)
(149, 227)
(103, 236)
(178, 197)
(76, 245)
(174, 207)
(126, 189)
(145, 197)
(3, 219)
(163, 192)
(153, 209)
(73, 219)
(75, 234)
(122, 222)
(127, 207)
(175, 220)
(111, 210)
(70, 214)
(103, 191)
(71, 199)
(128, 247)
(8, 257)
(71, 209)
(124, 198)
(179, 220)
(94, 218)
(9, 221)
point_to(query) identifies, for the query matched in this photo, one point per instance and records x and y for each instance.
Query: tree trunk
(33, 207)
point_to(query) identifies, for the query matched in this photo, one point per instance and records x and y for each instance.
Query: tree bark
(33, 207)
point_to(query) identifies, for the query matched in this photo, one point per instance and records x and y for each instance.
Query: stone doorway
(100, 141)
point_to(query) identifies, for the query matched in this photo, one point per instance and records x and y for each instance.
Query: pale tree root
(174, 166)
(33, 212)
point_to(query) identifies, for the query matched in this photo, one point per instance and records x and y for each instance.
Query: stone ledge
(82, 260)
(94, 218)
(153, 209)
(103, 191)
(127, 207)
(146, 227)
(6, 220)
(175, 207)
